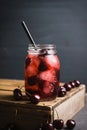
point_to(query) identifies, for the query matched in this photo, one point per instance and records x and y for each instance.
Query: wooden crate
(27, 115)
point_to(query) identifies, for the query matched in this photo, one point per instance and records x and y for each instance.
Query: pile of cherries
(67, 87)
(58, 124)
(35, 98)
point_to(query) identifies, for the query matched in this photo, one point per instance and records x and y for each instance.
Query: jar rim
(43, 46)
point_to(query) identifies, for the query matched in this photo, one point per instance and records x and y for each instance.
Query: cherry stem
(28, 93)
(20, 87)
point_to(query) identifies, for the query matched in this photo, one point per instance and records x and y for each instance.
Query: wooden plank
(8, 84)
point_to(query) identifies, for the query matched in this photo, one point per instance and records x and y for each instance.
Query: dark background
(61, 22)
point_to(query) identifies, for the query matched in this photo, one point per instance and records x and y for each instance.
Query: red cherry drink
(42, 71)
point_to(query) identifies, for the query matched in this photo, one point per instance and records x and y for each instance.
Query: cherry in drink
(42, 71)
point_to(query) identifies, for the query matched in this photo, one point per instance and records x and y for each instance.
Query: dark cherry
(34, 98)
(43, 52)
(17, 94)
(42, 66)
(70, 124)
(67, 86)
(77, 83)
(11, 126)
(72, 83)
(27, 61)
(58, 124)
(32, 80)
(47, 126)
(61, 91)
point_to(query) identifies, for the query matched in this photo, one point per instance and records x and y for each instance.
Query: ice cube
(31, 70)
(53, 61)
(48, 75)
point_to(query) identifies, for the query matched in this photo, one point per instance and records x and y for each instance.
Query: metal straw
(29, 34)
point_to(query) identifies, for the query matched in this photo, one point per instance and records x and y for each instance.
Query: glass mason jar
(42, 71)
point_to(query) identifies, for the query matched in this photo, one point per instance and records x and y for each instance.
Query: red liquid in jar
(42, 73)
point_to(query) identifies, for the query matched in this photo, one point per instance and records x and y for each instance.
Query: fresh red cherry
(77, 83)
(35, 98)
(72, 83)
(47, 126)
(70, 124)
(42, 66)
(43, 52)
(32, 80)
(17, 94)
(67, 86)
(61, 91)
(58, 124)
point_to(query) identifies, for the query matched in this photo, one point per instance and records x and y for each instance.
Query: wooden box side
(71, 105)
(24, 118)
